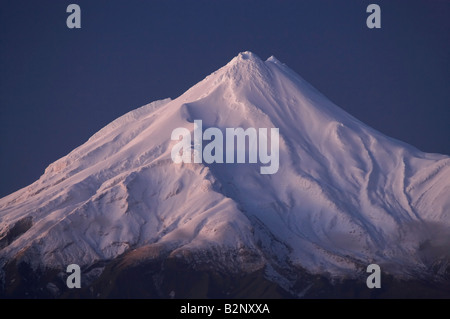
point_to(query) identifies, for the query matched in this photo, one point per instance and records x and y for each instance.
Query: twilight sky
(58, 86)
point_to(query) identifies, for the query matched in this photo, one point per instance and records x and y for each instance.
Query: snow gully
(213, 152)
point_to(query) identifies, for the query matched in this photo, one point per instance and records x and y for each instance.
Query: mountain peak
(247, 55)
(247, 68)
(273, 59)
(246, 59)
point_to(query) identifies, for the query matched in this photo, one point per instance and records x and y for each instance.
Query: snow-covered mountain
(345, 195)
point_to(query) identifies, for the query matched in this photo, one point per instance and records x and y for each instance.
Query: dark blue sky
(59, 86)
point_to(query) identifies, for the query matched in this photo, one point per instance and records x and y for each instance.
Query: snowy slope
(345, 195)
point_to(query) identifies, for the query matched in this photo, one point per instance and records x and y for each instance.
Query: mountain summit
(344, 196)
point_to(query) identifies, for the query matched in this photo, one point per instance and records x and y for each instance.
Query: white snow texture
(344, 195)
